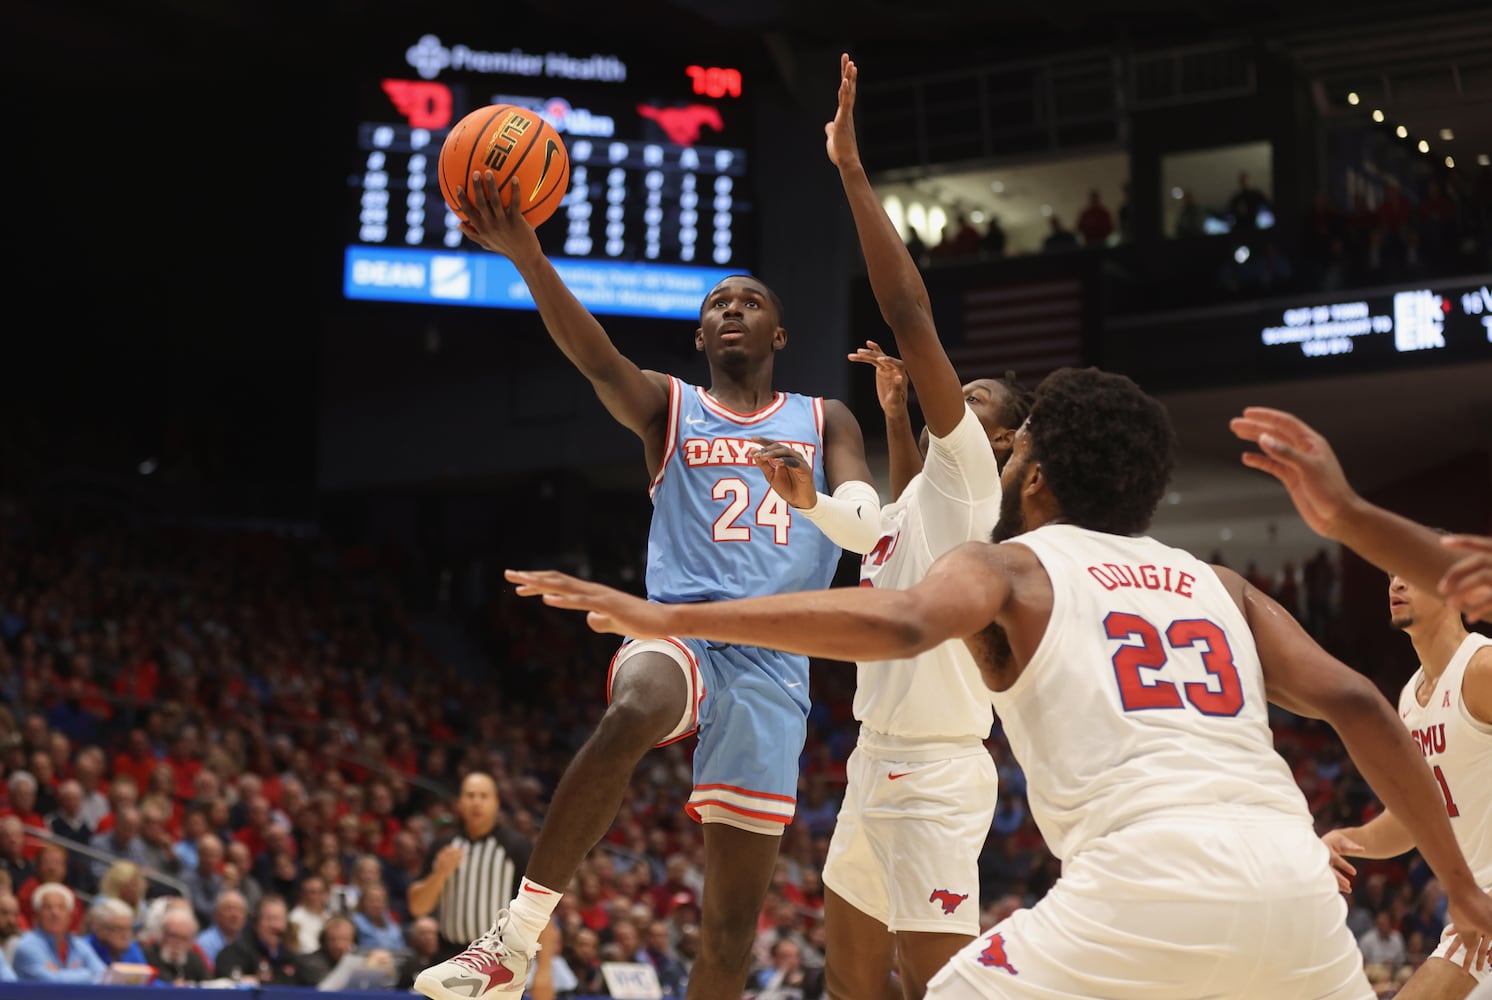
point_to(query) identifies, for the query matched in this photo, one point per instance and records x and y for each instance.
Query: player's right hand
(610, 610)
(449, 857)
(1467, 585)
(1471, 922)
(891, 378)
(1340, 845)
(1299, 457)
(501, 230)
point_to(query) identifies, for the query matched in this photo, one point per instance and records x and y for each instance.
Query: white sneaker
(487, 969)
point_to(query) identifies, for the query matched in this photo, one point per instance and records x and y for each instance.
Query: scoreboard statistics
(659, 207)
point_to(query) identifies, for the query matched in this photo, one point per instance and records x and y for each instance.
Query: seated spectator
(338, 937)
(310, 914)
(122, 840)
(13, 859)
(377, 927)
(155, 835)
(204, 883)
(125, 882)
(995, 238)
(230, 913)
(69, 823)
(175, 956)
(423, 942)
(7, 971)
(263, 955)
(51, 866)
(10, 925)
(583, 960)
(22, 786)
(112, 933)
(236, 865)
(787, 978)
(656, 950)
(1383, 944)
(51, 953)
(1191, 221)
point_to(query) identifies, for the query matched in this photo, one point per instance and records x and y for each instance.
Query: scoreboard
(659, 206)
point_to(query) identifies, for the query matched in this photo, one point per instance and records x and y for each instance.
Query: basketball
(512, 142)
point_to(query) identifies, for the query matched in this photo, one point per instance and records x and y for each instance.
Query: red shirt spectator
(1096, 223)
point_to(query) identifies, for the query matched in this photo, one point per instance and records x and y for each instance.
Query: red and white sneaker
(484, 971)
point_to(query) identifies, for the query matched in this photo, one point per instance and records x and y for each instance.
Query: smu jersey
(954, 499)
(718, 530)
(1458, 749)
(1147, 690)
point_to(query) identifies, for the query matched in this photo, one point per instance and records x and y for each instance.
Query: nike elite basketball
(515, 144)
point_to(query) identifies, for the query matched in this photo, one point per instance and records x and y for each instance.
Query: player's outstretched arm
(1302, 677)
(1383, 836)
(962, 593)
(1302, 459)
(894, 278)
(891, 392)
(638, 399)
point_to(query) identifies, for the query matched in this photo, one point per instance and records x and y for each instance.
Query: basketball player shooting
(717, 532)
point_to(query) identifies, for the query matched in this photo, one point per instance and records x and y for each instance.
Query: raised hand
(1299, 457)
(839, 135)
(789, 475)
(1467, 585)
(891, 378)
(499, 229)
(610, 610)
(1471, 922)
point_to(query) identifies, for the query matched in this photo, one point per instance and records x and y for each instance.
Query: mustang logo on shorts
(993, 955)
(950, 900)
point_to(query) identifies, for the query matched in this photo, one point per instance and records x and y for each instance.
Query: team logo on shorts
(950, 900)
(993, 956)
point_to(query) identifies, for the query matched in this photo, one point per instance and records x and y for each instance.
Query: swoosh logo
(550, 148)
(537, 892)
(893, 775)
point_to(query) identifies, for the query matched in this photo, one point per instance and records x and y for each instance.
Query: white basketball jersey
(955, 499)
(1144, 699)
(1458, 749)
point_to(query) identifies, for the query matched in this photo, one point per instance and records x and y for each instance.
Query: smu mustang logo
(950, 900)
(994, 957)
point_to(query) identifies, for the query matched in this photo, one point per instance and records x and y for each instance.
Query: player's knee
(729, 935)
(632, 726)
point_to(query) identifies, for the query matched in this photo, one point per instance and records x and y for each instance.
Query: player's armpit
(1476, 685)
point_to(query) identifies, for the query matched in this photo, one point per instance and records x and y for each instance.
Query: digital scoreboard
(659, 207)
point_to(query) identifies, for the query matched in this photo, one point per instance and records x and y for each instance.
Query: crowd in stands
(225, 755)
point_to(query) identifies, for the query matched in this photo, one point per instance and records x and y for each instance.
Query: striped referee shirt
(482, 883)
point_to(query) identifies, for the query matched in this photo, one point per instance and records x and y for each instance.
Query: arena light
(1377, 115)
(1352, 98)
(1424, 146)
(1447, 135)
(1401, 132)
(1450, 162)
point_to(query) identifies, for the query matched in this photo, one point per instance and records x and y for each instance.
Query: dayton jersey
(718, 530)
(954, 499)
(1458, 749)
(1146, 698)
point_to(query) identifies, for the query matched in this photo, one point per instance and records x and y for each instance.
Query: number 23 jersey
(718, 530)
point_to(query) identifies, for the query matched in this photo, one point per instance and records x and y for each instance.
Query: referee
(471, 875)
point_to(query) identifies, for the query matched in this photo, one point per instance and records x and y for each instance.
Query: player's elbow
(908, 311)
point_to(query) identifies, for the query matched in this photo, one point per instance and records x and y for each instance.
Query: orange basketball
(512, 142)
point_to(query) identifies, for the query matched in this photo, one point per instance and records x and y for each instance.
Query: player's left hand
(1471, 922)
(1467, 585)
(839, 135)
(787, 473)
(1339, 846)
(610, 610)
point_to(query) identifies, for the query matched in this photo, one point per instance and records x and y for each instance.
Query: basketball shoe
(486, 970)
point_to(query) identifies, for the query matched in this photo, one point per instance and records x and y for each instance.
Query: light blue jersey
(718, 530)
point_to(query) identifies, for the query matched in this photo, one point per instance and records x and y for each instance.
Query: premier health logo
(450, 278)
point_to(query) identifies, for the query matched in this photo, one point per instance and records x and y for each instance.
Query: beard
(1400, 620)
(1012, 521)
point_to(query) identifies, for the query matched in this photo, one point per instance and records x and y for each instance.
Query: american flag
(1030, 327)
